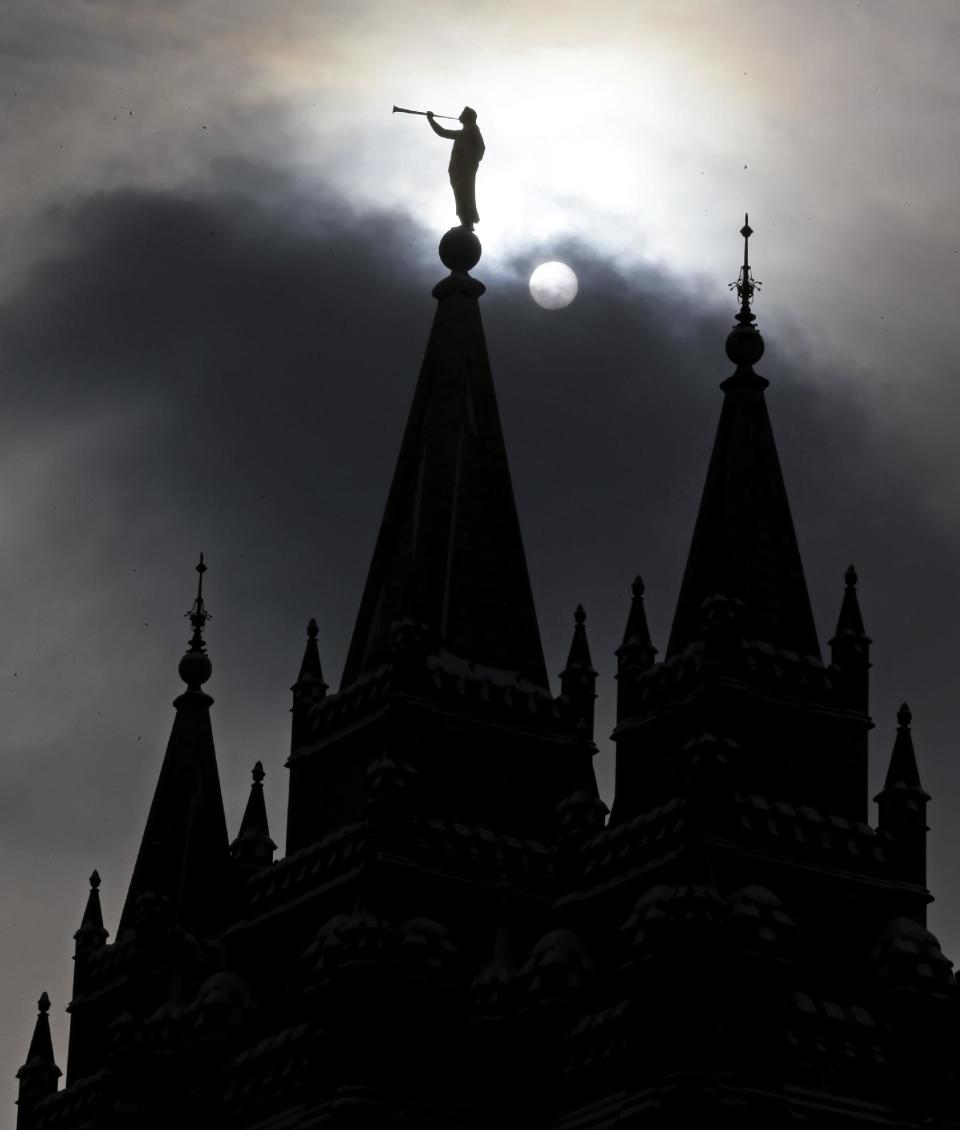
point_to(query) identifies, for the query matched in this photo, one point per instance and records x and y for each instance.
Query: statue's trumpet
(423, 113)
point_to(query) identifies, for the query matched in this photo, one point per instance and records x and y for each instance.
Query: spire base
(456, 283)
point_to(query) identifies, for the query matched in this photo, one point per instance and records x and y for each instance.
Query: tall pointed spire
(38, 1076)
(449, 556)
(744, 546)
(253, 845)
(184, 858)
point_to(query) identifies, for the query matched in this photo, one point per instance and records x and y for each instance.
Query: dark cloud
(229, 370)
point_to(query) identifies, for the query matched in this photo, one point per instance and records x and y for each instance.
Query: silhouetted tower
(743, 661)
(88, 940)
(850, 649)
(636, 654)
(578, 679)
(902, 808)
(446, 636)
(253, 846)
(38, 1076)
(454, 935)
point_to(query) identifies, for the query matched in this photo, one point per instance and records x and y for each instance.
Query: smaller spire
(902, 771)
(850, 618)
(91, 934)
(310, 669)
(578, 679)
(195, 667)
(38, 1076)
(850, 648)
(579, 654)
(744, 343)
(637, 649)
(308, 690)
(253, 846)
(902, 807)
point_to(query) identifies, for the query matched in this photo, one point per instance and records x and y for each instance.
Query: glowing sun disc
(553, 286)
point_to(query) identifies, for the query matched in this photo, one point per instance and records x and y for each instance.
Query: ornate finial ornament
(95, 880)
(258, 773)
(904, 717)
(195, 667)
(850, 577)
(638, 587)
(580, 615)
(744, 344)
(198, 613)
(43, 1004)
(745, 285)
(312, 630)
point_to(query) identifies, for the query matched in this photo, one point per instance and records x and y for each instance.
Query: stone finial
(744, 344)
(195, 667)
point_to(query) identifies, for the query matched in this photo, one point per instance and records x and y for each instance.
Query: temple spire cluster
(455, 931)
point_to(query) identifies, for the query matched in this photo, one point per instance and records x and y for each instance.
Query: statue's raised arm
(439, 130)
(468, 149)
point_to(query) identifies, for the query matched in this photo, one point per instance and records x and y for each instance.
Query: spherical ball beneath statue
(744, 346)
(459, 250)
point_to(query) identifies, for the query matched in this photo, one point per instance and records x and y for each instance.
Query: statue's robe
(468, 150)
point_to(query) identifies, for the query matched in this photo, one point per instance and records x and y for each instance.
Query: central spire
(449, 555)
(744, 546)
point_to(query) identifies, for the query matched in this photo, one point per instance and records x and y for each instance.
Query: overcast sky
(216, 258)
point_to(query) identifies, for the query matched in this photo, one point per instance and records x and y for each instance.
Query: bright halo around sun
(553, 286)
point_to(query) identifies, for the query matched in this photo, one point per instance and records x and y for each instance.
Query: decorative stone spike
(253, 846)
(578, 679)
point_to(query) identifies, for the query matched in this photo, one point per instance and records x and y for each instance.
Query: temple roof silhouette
(456, 935)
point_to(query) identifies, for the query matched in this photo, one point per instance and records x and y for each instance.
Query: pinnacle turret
(309, 689)
(91, 934)
(636, 650)
(902, 807)
(38, 1076)
(89, 938)
(578, 679)
(902, 772)
(850, 648)
(253, 846)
